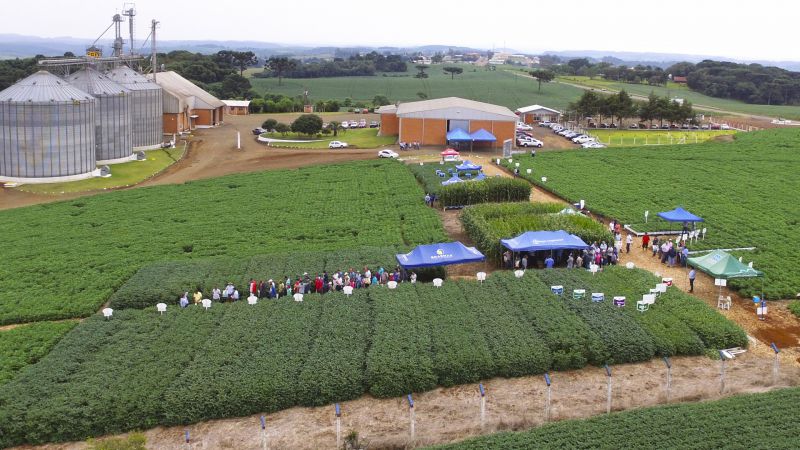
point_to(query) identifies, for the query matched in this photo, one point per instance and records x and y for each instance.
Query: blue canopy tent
(451, 180)
(468, 165)
(458, 135)
(681, 215)
(439, 255)
(483, 136)
(480, 177)
(531, 241)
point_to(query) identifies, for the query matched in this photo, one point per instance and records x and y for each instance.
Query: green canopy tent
(720, 264)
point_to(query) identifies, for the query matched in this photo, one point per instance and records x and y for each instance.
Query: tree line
(356, 65)
(750, 83)
(621, 106)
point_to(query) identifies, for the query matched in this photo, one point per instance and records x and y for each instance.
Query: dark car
(258, 131)
(665, 127)
(374, 124)
(613, 125)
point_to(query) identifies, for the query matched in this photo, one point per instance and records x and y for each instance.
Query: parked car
(345, 124)
(529, 142)
(544, 123)
(653, 127)
(695, 127)
(665, 126)
(374, 124)
(337, 144)
(724, 126)
(258, 131)
(572, 134)
(603, 125)
(592, 144)
(591, 125)
(386, 153)
(557, 128)
(633, 126)
(362, 123)
(685, 126)
(704, 126)
(613, 125)
(714, 126)
(524, 133)
(582, 139)
(353, 124)
(524, 126)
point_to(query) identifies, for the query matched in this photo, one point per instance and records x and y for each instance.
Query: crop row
(487, 224)
(492, 189)
(745, 201)
(706, 425)
(140, 369)
(69, 257)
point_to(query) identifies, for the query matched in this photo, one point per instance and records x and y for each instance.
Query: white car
(529, 142)
(353, 124)
(592, 144)
(337, 144)
(524, 126)
(582, 139)
(386, 153)
(345, 124)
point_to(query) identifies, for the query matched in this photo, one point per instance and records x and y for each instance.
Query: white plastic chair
(724, 302)
(161, 308)
(704, 233)
(519, 273)
(206, 303)
(630, 265)
(437, 282)
(481, 276)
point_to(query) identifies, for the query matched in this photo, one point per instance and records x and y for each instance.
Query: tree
(453, 71)
(239, 60)
(380, 100)
(69, 55)
(280, 65)
(332, 106)
(437, 57)
(421, 73)
(542, 76)
(623, 106)
(235, 86)
(309, 124)
(282, 128)
(334, 126)
(269, 124)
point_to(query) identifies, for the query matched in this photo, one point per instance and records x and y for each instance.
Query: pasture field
(69, 257)
(681, 91)
(232, 360)
(713, 424)
(632, 138)
(125, 174)
(746, 190)
(487, 224)
(24, 345)
(510, 88)
(358, 138)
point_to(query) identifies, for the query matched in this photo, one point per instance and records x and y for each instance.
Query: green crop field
(681, 91)
(767, 421)
(629, 138)
(140, 369)
(69, 257)
(746, 191)
(491, 189)
(24, 345)
(509, 88)
(358, 138)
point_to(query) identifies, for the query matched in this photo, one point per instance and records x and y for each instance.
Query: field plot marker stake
(775, 364)
(238, 140)
(186, 438)
(722, 372)
(263, 433)
(338, 425)
(547, 399)
(411, 418)
(669, 378)
(608, 401)
(483, 404)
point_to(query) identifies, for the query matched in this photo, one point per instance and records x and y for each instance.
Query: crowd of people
(305, 284)
(409, 145)
(672, 253)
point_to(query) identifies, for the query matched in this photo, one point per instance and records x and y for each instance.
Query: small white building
(538, 113)
(237, 107)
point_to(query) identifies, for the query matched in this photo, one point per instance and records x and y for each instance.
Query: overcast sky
(766, 29)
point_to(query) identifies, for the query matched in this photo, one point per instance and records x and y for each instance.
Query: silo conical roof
(43, 87)
(93, 82)
(131, 79)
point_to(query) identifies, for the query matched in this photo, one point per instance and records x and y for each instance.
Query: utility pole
(153, 57)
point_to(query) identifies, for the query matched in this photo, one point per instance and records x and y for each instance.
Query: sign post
(669, 377)
(338, 411)
(263, 433)
(775, 364)
(608, 401)
(238, 140)
(186, 438)
(722, 358)
(411, 418)
(483, 404)
(547, 399)
(646, 213)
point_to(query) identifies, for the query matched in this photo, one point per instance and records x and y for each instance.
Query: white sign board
(507, 144)
(720, 282)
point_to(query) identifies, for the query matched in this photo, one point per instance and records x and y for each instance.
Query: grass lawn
(508, 87)
(126, 174)
(697, 99)
(358, 138)
(630, 138)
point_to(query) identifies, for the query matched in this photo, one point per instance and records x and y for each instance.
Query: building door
(454, 124)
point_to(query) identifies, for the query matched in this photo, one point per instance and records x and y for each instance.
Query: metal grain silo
(46, 130)
(147, 107)
(113, 119)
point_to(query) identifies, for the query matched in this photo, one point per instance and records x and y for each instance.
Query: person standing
(184, 301)
(646, 242)
(524, 262)
(427, 199)
(570, 261)
(197, 296)
(692, 275)
(628, 242)
(549, 262)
